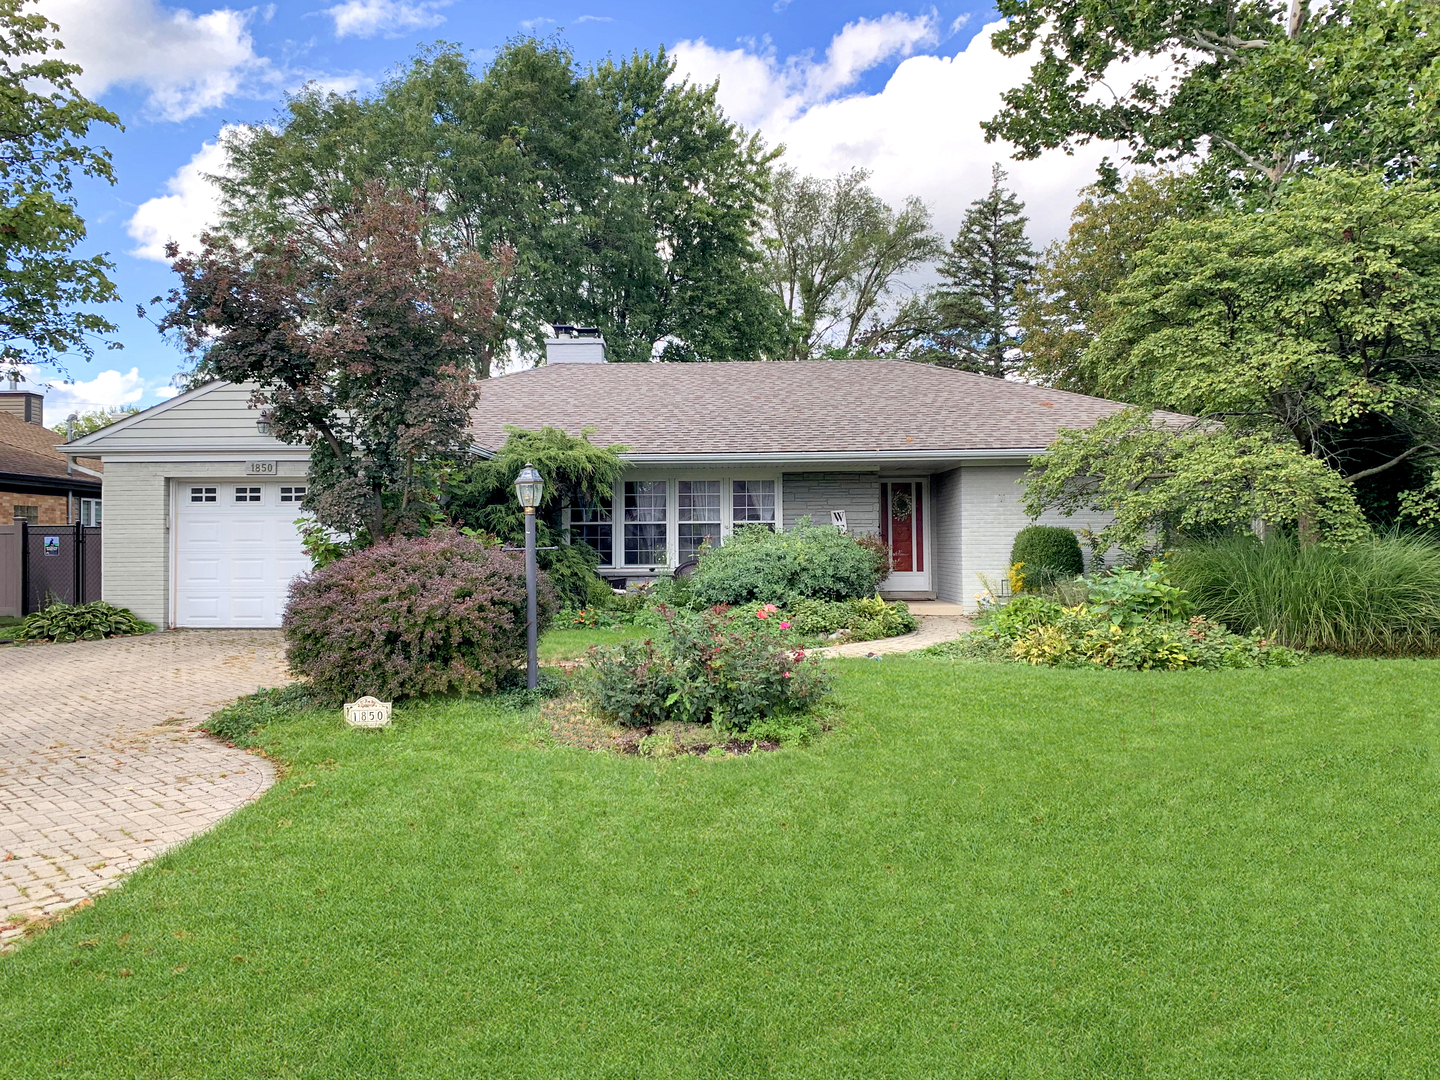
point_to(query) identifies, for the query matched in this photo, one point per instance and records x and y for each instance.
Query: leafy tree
(482, 495)
(1262, 88)
(620, 198)
(836, 253)
(977, 303)
(360, 343)
(43, 124)
(1165, 481)
(79, 424)
(1068, 301)
(1317, 320)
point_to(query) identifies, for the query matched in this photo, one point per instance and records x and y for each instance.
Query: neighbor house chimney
(23, 404)
(575, 345)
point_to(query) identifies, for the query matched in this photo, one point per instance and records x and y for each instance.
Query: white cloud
(186, 62)
(366, 18)
(595, 18)
(919, 135)
(190, 205)
(165, 393)
(535, 23)
(107, 390)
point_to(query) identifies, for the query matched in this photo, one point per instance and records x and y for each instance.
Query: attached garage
(236, 549)
(202, 531)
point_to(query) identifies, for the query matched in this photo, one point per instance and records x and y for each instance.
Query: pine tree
(976, 304)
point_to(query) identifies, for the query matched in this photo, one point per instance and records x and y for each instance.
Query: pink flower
(799, 654)
(788, 674)
(762, 614)
(784, 626)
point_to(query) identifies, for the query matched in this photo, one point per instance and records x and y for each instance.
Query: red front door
(902, 524)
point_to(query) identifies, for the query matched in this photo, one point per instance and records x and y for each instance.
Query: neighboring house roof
(890, 407)
(28, 450)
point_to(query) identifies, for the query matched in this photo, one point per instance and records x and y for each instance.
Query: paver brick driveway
(100, 768)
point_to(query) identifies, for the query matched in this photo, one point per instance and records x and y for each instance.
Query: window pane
(699, 513)
(645, 522)
(754, 502)
(590, 524)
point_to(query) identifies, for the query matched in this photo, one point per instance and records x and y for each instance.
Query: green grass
(9, 626)
(987, 870)
(558, 644)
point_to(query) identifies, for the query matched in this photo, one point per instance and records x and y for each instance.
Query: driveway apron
(101, 767)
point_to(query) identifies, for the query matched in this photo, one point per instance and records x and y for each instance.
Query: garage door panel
(235, 560)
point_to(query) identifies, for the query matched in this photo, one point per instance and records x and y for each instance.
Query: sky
(894, 89)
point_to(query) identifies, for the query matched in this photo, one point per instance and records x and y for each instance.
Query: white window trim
(672, 512)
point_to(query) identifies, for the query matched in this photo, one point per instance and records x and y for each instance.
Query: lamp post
(528, 487)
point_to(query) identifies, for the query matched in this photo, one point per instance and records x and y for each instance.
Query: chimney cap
(566, 330)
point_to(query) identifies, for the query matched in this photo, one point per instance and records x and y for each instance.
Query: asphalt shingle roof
(859, 406)
(29, 450)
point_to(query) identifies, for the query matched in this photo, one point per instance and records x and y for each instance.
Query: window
(28, 513)
(754, 503)
(645, 513)
(292, 494)
(89, 512)
(202, 494)
(699, 515)
(247, 494)
(590, 524)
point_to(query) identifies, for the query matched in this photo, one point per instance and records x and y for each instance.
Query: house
(38, 483)
(202, 500)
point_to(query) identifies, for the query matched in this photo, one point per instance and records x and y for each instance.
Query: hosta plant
(63, 623)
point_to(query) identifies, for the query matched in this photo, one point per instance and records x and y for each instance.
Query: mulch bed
(571, 723)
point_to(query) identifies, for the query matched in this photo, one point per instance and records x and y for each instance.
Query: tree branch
(1392, 462)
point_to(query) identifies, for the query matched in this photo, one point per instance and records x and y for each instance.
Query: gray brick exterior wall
(816, 494)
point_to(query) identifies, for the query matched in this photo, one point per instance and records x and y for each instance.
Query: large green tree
(836, 254)
(977, 303)
(45, 292)
(621, 197)
(1315, 323)
(1260, 88)
(1067, 301)
(359, 346)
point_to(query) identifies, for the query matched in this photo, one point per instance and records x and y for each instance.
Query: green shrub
(866, 619)
(1376, 597)
(725, 668)
(1048, 554)
(424, 615)
(807, 562)
(62, 623)
(1131, 597)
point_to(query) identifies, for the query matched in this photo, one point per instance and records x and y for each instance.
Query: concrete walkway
(100, 766)
(939, 621)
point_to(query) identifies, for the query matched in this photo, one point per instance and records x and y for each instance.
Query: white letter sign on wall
(260, 468)
(837, 518)
(368, 712)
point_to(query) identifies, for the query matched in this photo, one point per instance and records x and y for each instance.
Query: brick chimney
(575, 345)
(26, 405)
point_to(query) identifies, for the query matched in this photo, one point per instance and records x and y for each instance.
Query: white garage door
(236, 549)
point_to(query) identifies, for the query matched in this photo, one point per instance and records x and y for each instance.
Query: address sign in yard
(367, 712)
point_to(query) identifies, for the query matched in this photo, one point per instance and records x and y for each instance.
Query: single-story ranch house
(200, 500)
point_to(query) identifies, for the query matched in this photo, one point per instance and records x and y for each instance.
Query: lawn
(9, 626)
(986, 870)
(558, 644)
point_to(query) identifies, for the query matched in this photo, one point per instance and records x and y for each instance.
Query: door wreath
(902, 505)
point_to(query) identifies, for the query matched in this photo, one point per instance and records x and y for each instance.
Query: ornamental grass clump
(437, 614)
(1375, 597)
(733, 669)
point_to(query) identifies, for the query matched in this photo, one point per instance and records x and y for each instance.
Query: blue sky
(893, 88)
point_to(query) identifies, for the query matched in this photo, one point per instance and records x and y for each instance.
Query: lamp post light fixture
(529, 486)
